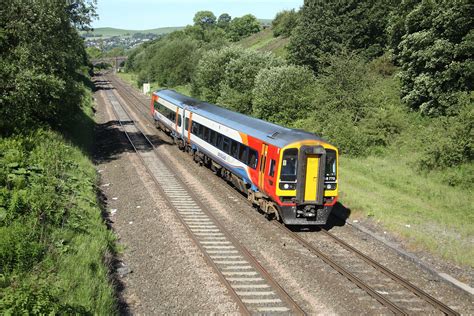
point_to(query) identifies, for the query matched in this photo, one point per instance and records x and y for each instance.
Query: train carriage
(288, 173)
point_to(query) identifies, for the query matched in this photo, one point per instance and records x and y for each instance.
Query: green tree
(283, 94)
(435, 53)
(93, 52)
(210, 72)
(40, 72)
(243, 27)
(284, 23)
(327, 27)
(224, 20)
(171, 62)
(204, 19)
(239, 80)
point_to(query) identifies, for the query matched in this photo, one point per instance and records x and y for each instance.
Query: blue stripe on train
(238, 171)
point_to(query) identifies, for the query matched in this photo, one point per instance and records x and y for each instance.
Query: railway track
(391, 290)
(252, 287)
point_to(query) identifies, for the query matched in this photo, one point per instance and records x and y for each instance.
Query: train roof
(268, 132)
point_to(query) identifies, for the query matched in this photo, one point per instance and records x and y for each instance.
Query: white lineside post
(146, 88)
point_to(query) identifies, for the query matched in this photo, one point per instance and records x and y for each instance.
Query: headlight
(287, 186)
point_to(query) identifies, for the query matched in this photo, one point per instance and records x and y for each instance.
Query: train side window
(226, 145)
(219, 141)
(271, 170)
(186, 124)
(205, 133)
(253, 158)
(200, 131)
(212, 139)
(179, 120)
(234, 149)
(244, 154)
(195, 128)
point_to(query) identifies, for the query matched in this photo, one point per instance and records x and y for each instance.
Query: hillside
(106, 32)
(264, 41)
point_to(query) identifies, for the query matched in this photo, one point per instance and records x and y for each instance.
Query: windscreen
(289, 165)
(330, 165)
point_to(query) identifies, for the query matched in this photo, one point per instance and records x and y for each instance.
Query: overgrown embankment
(54, 244)
(53, 240)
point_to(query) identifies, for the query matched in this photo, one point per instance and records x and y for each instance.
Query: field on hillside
(105, 32)
(264, 41)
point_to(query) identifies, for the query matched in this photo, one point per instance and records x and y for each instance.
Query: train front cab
(307, 183)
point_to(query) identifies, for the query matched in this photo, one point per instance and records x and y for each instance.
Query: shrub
(242, 27)
(239, 80)
(173, 62)
(284, 23)
(355, 107)
(449, 141)
(210, 72)
(433, 44)
(283, 94)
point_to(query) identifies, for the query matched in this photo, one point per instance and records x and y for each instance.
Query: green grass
(426, 213)
(132, 79)
(53, 240)
(110, 31)
(264, 41)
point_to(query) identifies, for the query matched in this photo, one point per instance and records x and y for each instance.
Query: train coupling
(306, 211)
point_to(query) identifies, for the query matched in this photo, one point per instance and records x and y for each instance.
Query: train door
(261, 171)
(270, 171)
(177, 122)
(182, 132)
(310, 185)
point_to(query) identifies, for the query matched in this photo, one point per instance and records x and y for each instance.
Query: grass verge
(427, 213)
(54, 244)
(132, 79)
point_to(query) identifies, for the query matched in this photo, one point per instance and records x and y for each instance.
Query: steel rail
(242, 307)
(398, 279)
(289, 300)
(380, 298)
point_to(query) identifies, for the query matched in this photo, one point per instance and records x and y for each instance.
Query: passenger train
(288, 173)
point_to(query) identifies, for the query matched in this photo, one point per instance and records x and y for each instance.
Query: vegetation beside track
(387, 85)
(54, 244)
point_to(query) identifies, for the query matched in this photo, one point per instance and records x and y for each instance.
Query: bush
(210, 72)
(283, 94)
(239, 80)
(173, 62)
(433, 44)
(242, 27)
(449, 141)
(355, 107)
(284, 23)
